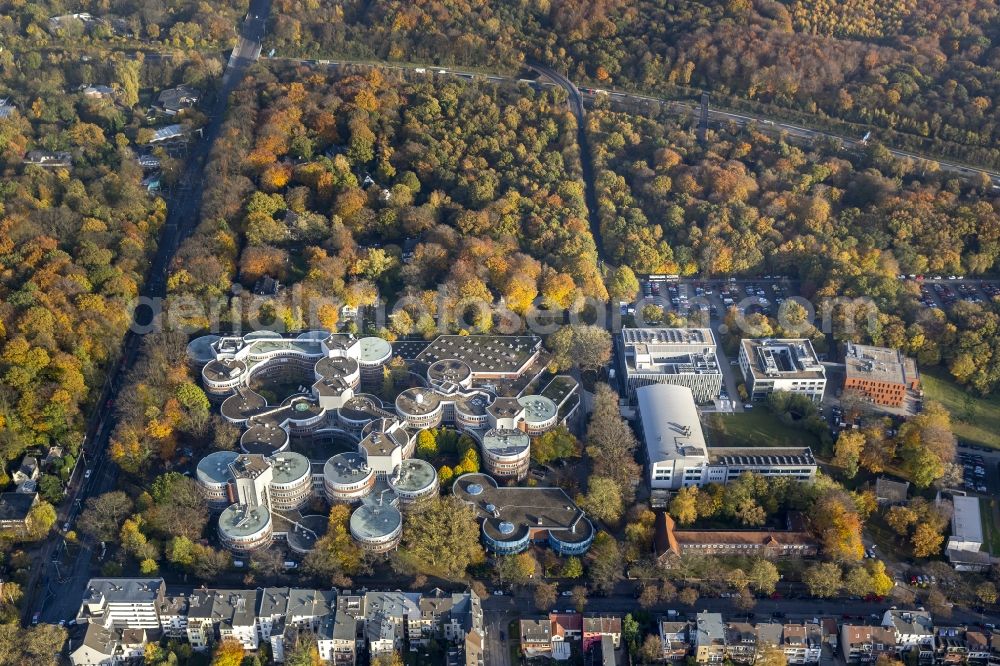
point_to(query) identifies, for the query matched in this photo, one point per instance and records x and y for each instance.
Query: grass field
(759, 427)
(991, 535)
(975, 420)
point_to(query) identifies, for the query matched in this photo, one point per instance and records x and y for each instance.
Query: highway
(57, 585)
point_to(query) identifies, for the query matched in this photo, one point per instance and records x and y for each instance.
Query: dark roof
(15, 506)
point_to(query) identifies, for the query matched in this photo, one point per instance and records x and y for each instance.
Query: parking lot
(942, 292)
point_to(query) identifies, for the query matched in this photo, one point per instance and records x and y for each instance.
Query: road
(579, 96)
(57, 586)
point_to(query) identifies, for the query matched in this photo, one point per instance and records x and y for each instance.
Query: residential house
(216, 615)
(14, 510)
(889, 492)
(709, 638)
(389, 616)
(536, 637)
(957, 645)
(675, 637)
(109, 646)
(830, 632)
(864, 644)
(49, 159)
(802, 643)
(6, 108)
(98, 91)
(54, 455)
(174, 100)
(25, 477)
(741, 642)
(913, 630)
(173, 614)
(595, 627)
(566, 626)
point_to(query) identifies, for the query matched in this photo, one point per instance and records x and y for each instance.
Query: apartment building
(122, 603)
(675, 639)
(710, 645)
(912, 630)
(790, 365)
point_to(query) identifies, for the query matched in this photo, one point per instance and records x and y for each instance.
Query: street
(57, 586)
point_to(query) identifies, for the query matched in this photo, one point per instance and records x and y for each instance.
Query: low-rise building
(710, 645)
(673, 356)
(678, 456)
(174, 100)
(675, 639)
(515, 517)
(671, 542)
(879, 374)
(125, 603)
(966, 540)
(912, 630)
(864, 644)
(596, 627)
(110, 646)
(789, 365)
(536, 637)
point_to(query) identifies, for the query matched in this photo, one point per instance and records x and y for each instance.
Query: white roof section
(670, 423)
(966, 523)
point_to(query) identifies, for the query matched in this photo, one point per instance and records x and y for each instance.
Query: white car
(567, 593)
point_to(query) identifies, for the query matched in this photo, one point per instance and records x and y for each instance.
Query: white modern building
(677, 454)
(122, 603)
(676, 356)
(791, 365)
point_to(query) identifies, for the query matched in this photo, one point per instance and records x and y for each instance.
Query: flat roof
(349, 467)
(303, 532)
(450, 370)
(243, 404)
(374, 349)
(373, 521)
(506, 442)
(508, 513)
(506, 354)
(537, 408)
(289, 466)
(787, 358)
(200, 349)
(123, 590)
(239, 520)
(966, 523)
(418, 401)
(670, 424)
(214, 468)
(761, 455)
(670, 351)
(413, 475)
(263, 438)
(880, 364)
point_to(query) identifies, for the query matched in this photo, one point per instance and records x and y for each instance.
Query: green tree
(823, 579)
(603, 500)
(763, 576)
(684, 505)
(572, 568)
(443, 538)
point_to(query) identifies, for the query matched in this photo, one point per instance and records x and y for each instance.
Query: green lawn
(991, 535)
(975, 420)
(759, 427)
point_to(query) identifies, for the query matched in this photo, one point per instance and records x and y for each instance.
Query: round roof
(371, 521)
(537, 408)
(413, 475)
(288, 467)
(214, 468)
(374, 349)
(318, 334)
(200, 349)
(506, 442)
(303, 534)
(261, 334)
(345, 468)
(240, 521)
